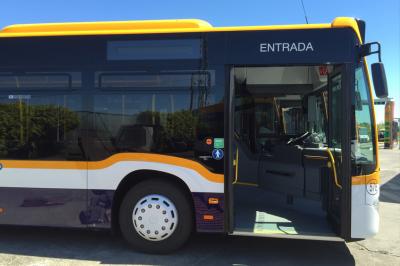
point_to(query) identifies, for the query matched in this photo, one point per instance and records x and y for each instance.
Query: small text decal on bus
(285, 47)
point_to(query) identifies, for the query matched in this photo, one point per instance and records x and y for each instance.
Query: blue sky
(382, 17)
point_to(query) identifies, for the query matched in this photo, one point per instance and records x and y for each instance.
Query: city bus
(158, 129)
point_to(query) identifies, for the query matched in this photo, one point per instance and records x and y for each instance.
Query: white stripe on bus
(107, 178)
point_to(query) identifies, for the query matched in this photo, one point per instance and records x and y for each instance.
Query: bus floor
(263, 212)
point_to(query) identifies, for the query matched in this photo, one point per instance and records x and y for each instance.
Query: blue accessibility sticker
(217, 154)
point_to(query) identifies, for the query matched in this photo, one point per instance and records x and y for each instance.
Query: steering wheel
(295, 140)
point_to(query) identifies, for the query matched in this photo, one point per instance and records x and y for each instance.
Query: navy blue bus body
(87, 69)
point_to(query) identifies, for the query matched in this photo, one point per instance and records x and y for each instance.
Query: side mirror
(379, 78)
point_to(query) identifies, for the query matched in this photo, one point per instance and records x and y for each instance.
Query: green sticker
(218, 143)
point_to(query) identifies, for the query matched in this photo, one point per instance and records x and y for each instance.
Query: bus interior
(284, 182)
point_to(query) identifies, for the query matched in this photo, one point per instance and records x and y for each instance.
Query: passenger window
(40, 115)
(292, 120)
(40, 127)
(166, 112)
(142, 122)
(267, 124)
(317, 114)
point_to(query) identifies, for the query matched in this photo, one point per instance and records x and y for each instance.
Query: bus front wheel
(156, 217)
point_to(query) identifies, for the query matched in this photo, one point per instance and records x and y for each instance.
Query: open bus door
(339, 146)
(280, 211)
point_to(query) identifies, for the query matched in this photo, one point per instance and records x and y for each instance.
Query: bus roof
(153, 26)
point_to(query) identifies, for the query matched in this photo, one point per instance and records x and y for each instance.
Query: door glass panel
(336, 108)
(335, 144)
(363, 149)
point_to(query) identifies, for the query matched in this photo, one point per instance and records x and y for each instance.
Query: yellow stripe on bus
(120, 157)
(366, 179)
(153, 27)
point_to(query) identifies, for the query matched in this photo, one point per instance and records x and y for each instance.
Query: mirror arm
(365, 50)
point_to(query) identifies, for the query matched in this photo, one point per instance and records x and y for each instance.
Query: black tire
(182, 204)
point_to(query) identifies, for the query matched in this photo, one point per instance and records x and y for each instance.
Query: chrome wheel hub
(155, 217)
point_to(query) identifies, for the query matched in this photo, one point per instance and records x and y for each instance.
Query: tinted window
(164, 104)
(172, 114)
(336, 138)
(44, 127)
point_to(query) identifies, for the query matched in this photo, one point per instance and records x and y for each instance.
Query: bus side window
(41, 116)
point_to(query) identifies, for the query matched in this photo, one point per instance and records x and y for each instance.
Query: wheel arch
(134, 178)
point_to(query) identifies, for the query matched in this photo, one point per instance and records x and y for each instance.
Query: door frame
(228, 144)
(348, 70)
(347, 92)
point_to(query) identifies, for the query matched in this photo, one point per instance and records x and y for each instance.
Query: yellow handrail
(236, 164)
(332, 162)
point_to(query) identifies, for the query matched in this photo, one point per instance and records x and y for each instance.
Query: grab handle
(332, 165)
(236, 164)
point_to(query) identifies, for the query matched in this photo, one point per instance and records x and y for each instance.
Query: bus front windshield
(363, 144)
